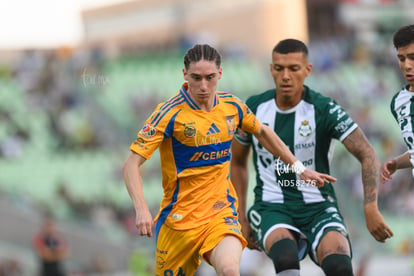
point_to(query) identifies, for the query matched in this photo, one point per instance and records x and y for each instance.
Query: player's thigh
(227, 253)
(327, 226)
(177, 251)
(333, 242)
(223, 225)
(270, 224)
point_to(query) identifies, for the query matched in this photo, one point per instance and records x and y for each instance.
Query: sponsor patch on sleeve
(148, 131)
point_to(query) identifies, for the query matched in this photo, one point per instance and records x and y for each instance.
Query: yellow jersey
(194, 148)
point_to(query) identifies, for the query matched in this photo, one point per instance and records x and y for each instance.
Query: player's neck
(285, 103)
(206, 105)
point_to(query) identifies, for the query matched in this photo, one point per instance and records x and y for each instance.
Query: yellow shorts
(178, 251)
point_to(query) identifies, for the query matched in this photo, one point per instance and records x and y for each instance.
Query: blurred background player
(51, 247)
(402, 104)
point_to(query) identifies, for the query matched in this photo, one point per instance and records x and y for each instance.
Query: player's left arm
(391, 166)
(357, 144)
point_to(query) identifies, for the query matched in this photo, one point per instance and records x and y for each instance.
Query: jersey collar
(189, 100)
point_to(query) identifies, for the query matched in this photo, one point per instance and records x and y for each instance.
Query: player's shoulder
(173, 102)
(227, 96)
(401, 93)
(255, 100)
(164, 110)
(315, 97)
(318, 100)
(226, 99)
(403, 97)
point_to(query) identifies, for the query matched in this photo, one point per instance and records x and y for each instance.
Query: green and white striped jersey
(402, 108)
(308, 129)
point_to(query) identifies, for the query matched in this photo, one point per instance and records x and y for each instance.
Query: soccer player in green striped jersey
(402, 104)
(291, 218)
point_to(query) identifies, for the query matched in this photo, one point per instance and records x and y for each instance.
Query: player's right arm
(133, 182)
(240, 179)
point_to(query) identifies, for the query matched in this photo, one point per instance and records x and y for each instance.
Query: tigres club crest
(231, 125)
(189, 131)
(305, 129)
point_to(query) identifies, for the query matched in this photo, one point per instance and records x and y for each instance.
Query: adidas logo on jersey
(213, 129)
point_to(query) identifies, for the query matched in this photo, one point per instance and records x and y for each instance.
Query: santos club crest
(305, 129)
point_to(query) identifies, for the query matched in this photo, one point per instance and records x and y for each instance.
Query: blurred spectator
(51, 247)
(78, 207)
(11, 145)
(10, 267)
(27, 70)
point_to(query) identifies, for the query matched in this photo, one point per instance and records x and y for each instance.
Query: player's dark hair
(199, 52)
(403, 36)
(290, 45)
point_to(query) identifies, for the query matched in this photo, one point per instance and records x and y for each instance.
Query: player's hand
(316, 178)
(387, 169)
(376, 224)
(252, 243)
(144, 222)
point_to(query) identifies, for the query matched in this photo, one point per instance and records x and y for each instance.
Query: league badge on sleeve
(148, 131)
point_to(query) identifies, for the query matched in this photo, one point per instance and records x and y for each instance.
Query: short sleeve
(150, 136)
(249, 122)
(338, 121)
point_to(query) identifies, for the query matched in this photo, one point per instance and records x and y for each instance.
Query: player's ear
(220, 72)
(185, 74)
(308, 69)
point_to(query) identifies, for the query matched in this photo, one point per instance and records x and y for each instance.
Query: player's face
(202, 77)
(406, 59)
(289, 72)
(49, 227)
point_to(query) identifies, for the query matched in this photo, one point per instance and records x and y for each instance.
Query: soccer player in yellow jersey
(193, 131)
